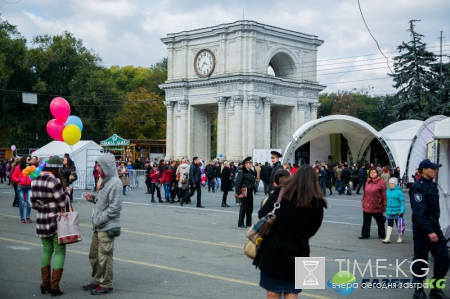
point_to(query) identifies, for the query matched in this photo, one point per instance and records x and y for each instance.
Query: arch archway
(283, 65)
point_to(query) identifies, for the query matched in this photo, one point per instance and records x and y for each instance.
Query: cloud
(128, 32)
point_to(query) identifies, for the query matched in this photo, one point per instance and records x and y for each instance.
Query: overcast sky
(128, 32)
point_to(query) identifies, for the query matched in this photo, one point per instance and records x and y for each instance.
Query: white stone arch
(284, 63)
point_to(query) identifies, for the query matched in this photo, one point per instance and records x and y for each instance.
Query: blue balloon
(220, 155)
(75, 120)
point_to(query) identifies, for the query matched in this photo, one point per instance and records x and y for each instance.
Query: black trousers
(211, 184)
(224, 197)
(158, 191)
(367, 221)
(360, 183)
(266, 187)
(197, 188)
(246, 209)
(16, 196)
(423, 245)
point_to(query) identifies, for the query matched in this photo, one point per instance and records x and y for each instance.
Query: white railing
(86, 180)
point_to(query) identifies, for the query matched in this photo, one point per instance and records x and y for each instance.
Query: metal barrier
(86, 179)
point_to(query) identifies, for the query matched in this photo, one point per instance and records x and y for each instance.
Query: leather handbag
(68, 227)
(257, 233)
(243, 192)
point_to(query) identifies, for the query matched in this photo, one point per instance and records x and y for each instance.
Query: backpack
(185, 178)
(2, 168)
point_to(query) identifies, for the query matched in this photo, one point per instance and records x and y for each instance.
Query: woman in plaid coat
(48, 197)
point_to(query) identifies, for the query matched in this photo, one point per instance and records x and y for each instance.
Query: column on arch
(301, 108)
(266, 122)
(221, 130)
(184, 127)
(314, 108)
(238, 103)
(169, 129)
(251, 123)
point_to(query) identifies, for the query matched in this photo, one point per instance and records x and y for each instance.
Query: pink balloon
(60, 109)
(55, 129)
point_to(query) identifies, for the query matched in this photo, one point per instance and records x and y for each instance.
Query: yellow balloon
(71, 134)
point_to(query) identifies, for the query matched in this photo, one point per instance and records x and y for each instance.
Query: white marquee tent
(83, 153)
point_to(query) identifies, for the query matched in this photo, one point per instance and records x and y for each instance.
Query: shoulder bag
(68, 226)
(257, 233)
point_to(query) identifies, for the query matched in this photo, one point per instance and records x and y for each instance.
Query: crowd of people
(299, 190)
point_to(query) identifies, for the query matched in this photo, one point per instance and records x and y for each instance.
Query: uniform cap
(248, 159)
(277, 154)
(428, 164)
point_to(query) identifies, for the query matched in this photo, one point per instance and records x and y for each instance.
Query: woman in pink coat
(23, 187)
(374, 204)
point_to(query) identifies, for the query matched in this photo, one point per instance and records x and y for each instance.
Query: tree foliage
(375, 110)
(420, 94)
(123, 100)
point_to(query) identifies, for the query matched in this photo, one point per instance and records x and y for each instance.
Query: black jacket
(226, 180)
(245, 178)
(288, 237)
(346, 175)
(195, 175)
(265, 173)
(276, 166)
(210, 171)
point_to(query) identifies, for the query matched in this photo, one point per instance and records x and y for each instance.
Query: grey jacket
(108, 201)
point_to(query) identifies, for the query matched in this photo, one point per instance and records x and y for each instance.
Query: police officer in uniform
(427, 234)
(276, 165)
(245, 178)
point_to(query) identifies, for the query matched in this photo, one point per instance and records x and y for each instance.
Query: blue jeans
(167, 191)
(323, 187)
(21, 192)
(219, 180)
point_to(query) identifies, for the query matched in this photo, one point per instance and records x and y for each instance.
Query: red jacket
(155, 176)
(167, 176)
(374, 198)
(19, 178)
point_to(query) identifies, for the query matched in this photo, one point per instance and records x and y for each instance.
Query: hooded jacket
(108, 201)
(182, 169)
(395, 201)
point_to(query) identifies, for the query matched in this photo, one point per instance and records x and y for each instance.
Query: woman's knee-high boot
(45, 285)
(56, 277)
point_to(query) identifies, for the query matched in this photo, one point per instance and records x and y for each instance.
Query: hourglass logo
(310, 273)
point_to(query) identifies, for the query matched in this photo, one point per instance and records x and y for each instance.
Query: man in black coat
(245, 178)
(265, 173)
(195, 182)
(276, 165)
(346, 176)
(210, 173)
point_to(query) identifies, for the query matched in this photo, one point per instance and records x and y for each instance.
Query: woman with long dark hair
(48, 197)
(23, 188)
(69, 174)
(226, 183)
(298, 219)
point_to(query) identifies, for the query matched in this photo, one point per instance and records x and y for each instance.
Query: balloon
(32, 168)
(75, 120)
(55, 129)
(38, 170)
(60, 109)
(13, 147)
(33, 175)
(71, 134)
(26, 172)
(43, 164)
(220, 155)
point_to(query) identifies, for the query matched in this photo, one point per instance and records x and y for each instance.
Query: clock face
(204, 63)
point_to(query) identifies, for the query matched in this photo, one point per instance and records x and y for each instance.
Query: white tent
(442, 134)
(358, 133)
(79, 152)
(84, 153)
(400, 137)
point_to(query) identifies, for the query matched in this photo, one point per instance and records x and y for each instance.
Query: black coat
(245, 178)
(210, 171)
(226, 180)
(265, 173)
(276, 166)
(346, 175)
(195, 175)
(288, 237)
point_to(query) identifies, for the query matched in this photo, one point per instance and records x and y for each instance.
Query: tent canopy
(442, 129)
(77, 152)
(358, 133)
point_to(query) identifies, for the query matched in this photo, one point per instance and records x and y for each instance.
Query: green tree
(413, 77)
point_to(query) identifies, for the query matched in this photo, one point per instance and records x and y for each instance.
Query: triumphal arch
(261, 80)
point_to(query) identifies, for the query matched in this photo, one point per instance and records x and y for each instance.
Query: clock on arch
(204, 63)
